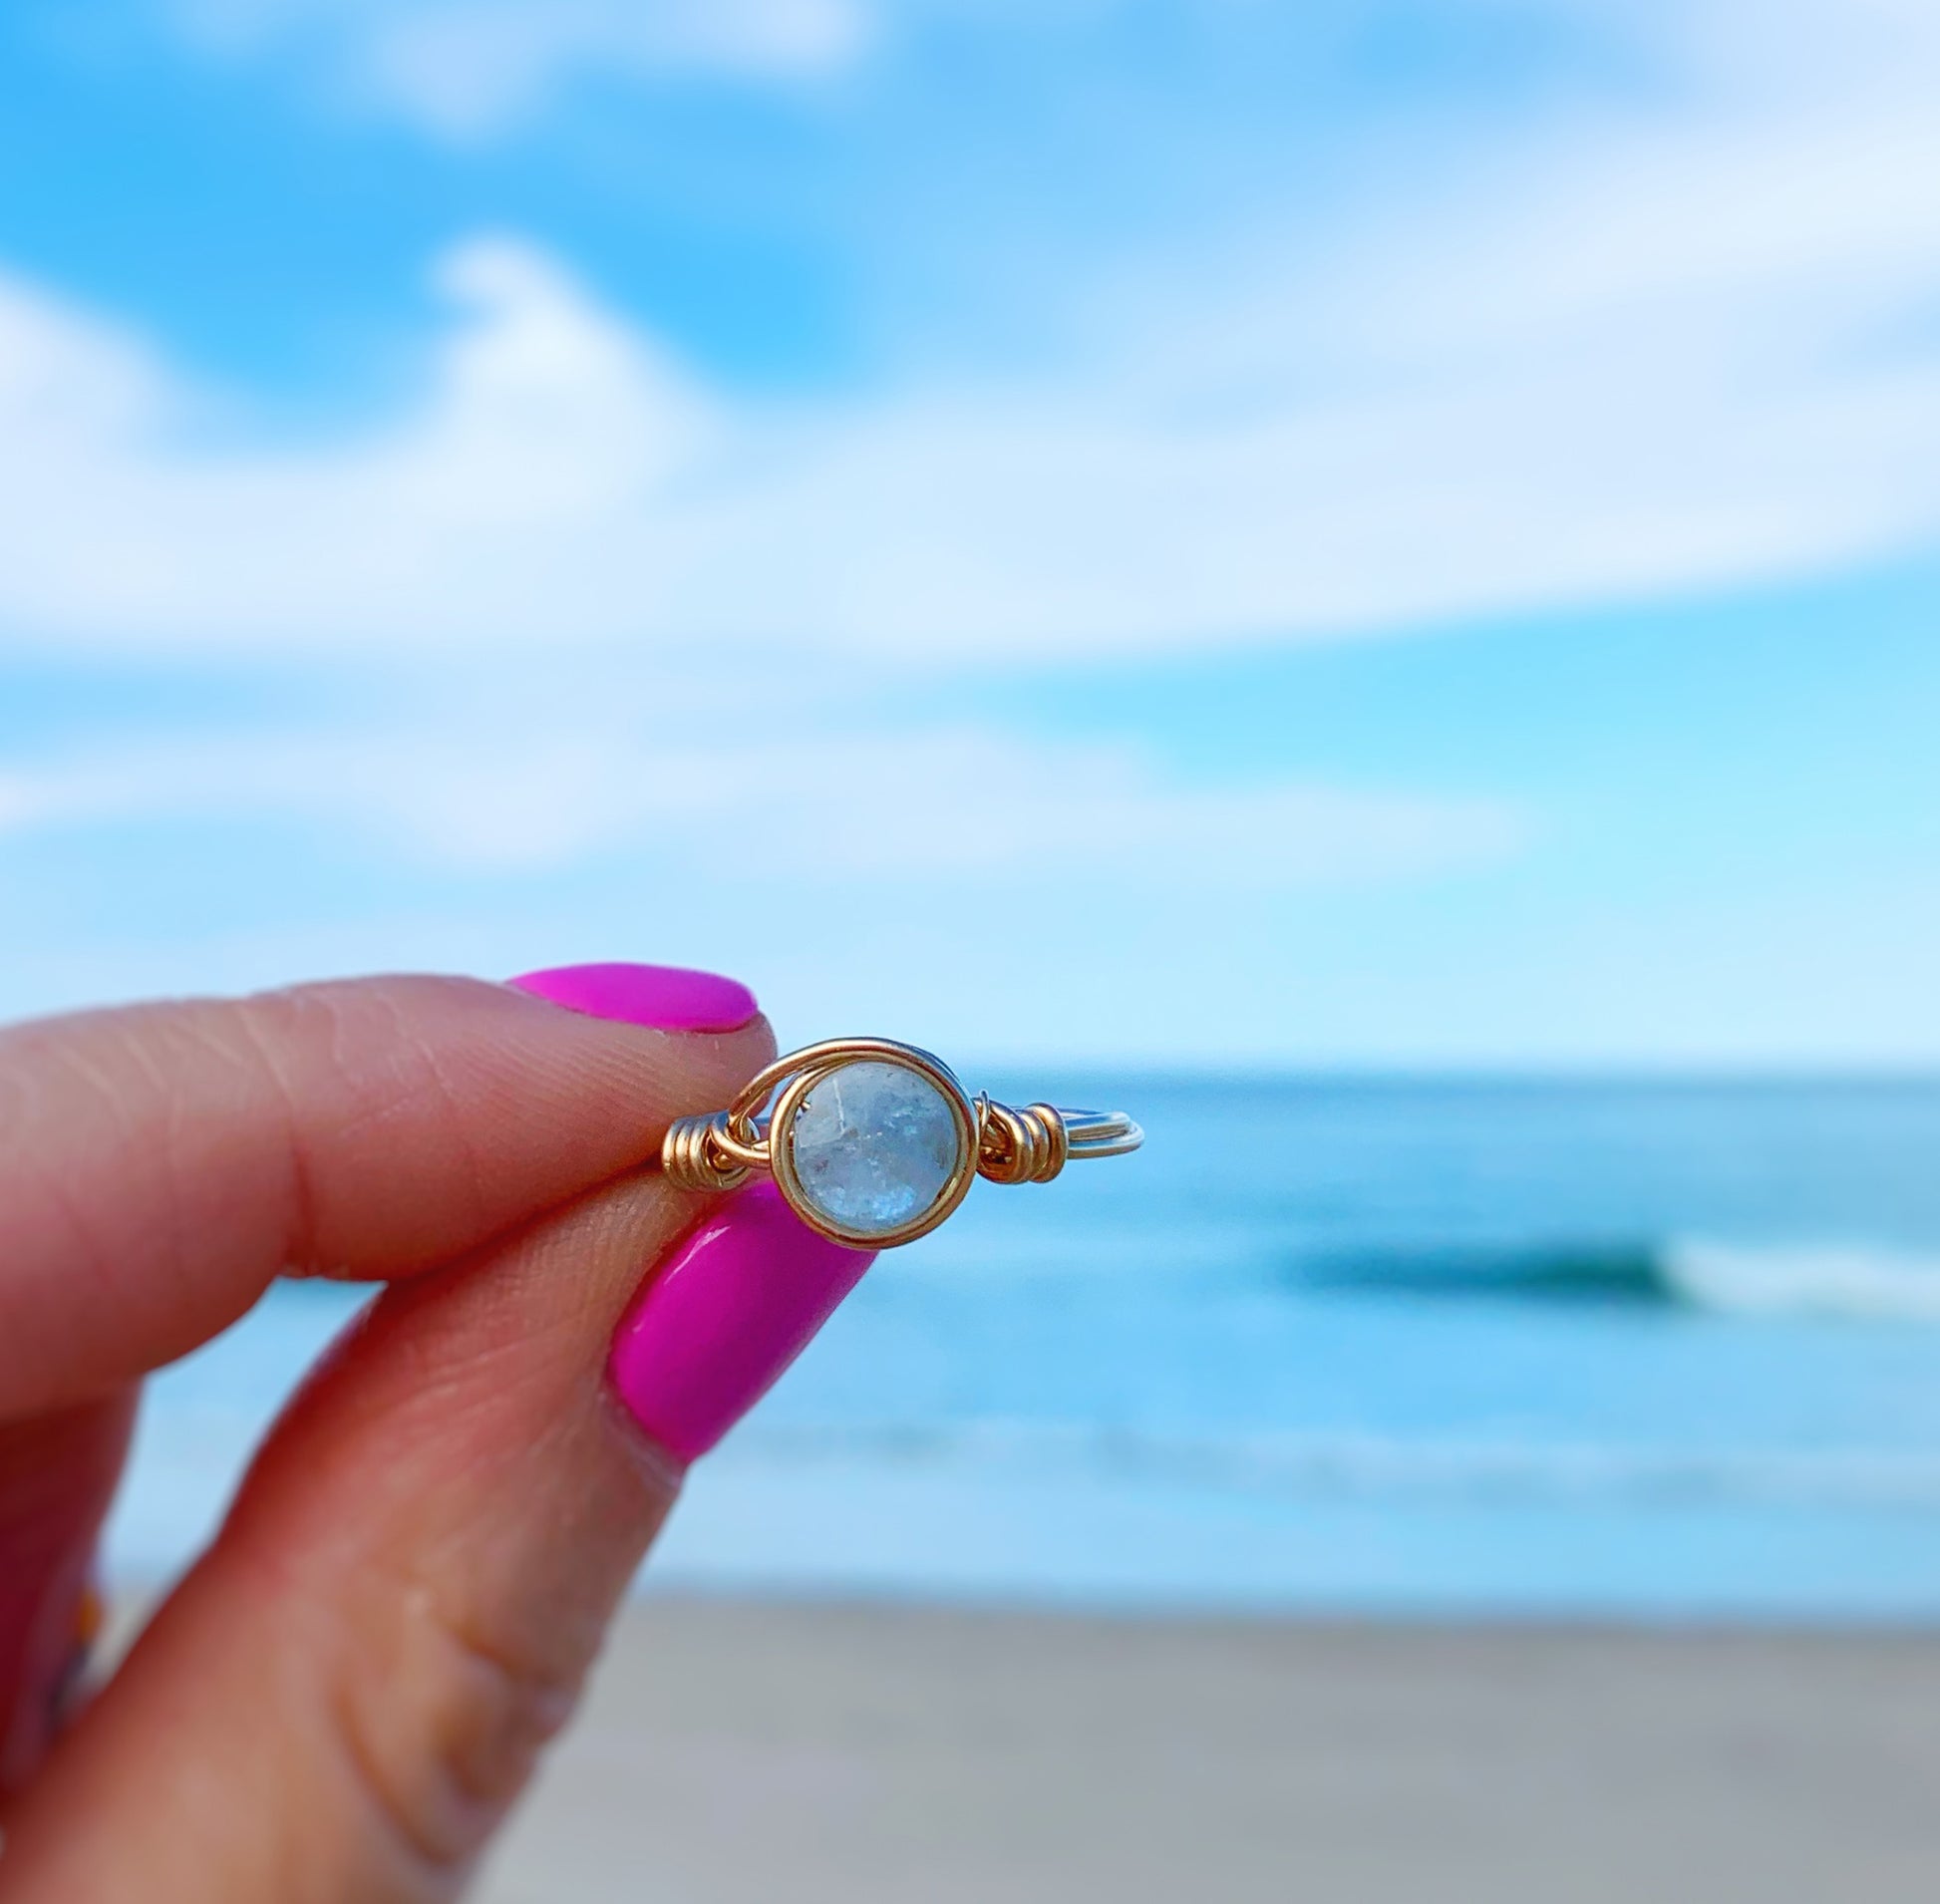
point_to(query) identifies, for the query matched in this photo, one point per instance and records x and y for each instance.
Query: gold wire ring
(902, 1162)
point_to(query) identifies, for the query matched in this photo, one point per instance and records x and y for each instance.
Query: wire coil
(1020, 1147)
(694, 1160)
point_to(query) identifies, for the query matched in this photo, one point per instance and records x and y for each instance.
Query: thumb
(345, 1695)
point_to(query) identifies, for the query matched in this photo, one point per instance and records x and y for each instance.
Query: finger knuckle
(443, 1728)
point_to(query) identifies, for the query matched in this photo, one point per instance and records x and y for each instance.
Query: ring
(875, 1144)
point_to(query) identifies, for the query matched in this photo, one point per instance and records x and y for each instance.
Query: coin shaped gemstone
(874, 1147)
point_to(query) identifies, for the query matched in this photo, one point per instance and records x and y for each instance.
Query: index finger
(159, 1165)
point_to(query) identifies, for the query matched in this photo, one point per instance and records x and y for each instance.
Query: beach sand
(743, 1752)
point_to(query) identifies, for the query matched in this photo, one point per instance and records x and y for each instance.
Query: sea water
(1652, 1350)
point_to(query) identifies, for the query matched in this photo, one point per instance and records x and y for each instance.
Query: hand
(344, 1695)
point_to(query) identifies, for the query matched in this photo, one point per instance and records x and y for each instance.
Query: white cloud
(1685, 348)
(505, 793)
(563, 491)
(462, 69)
(529, 493)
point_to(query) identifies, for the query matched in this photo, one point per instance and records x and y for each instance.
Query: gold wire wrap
(722, 1149)
(1020, 1147)
(694, 1157)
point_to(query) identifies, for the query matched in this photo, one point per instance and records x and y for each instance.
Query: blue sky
(1136, 529)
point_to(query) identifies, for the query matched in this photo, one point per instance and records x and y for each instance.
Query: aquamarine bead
(874, 1147)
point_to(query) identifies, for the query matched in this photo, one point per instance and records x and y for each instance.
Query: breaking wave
(1853, 1281)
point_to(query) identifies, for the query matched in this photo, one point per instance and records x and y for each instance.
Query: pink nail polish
(738, 1301)
(669, 998)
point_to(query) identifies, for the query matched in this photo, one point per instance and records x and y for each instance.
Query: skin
(351, 1687)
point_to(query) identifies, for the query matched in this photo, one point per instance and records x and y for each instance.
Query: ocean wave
(1854, 1281)
(1804, 1280)
(1338, 1464)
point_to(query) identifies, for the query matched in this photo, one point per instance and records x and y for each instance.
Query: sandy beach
(741, 1752)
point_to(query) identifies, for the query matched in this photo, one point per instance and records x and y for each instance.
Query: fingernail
(669, 998)
(715, 1328)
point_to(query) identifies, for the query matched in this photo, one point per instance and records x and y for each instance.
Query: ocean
(1635, 1351)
